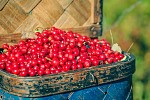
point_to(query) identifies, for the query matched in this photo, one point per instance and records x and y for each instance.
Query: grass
(129, 21)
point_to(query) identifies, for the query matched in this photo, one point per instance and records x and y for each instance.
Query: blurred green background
(129, 21)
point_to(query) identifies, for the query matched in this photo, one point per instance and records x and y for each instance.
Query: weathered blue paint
(118, 90)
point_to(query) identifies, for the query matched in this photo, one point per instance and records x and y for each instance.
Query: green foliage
(129, 21)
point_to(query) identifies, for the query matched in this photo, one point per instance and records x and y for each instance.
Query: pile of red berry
(55, 51)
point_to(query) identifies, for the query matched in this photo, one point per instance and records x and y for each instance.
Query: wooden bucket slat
(95, 9)
(26, 26)
(27, 5)
(65, 21)
(92, 30)
(65, 3)
(11, 39)
(48, 14)
(79, 15)
(2, 30)
(11, 17)
(2, 4)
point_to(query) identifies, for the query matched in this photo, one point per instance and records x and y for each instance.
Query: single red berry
(83, 49)
(15, 71)
(74, 62)
(5, 46)
(65, 68)
(116, 53)
(95, 62)
(109, 60)
(74, 67)
(79, 44)
(102, 57)
(40, 72)
(2, 66)
(55, 62)
(79, 66)
(71, 57)
(76, 51)
(23, 73)
(87, 63)
(47, 72)
(8, 69)
(121, 56)
(32, 72)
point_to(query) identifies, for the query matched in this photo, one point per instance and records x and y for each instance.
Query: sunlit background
(129, 21)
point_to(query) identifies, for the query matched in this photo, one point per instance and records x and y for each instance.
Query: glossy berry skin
(15, 71)
(87, 63)
(40, 72)
(55, 51)
(95, 62)
(55, 62)
(65, 68)
(102, 57)
(47, 72)
(74, 67)
(2, 66)
(109, 60)
(5, 46)
(79, 66)
(32, 72)
(23, 73)
(9, 69)
(83, 49)
(71, 57)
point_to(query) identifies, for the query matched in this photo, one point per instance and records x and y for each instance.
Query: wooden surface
(2, 4)
(27, 5)
(11, 39)
(17, 16)
(68, 81)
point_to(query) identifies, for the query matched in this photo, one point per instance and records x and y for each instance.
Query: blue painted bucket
(118, 90)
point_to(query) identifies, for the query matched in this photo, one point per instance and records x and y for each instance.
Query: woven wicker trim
(25, 15)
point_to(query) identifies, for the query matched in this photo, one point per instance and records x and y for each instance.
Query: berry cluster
(55, 51)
